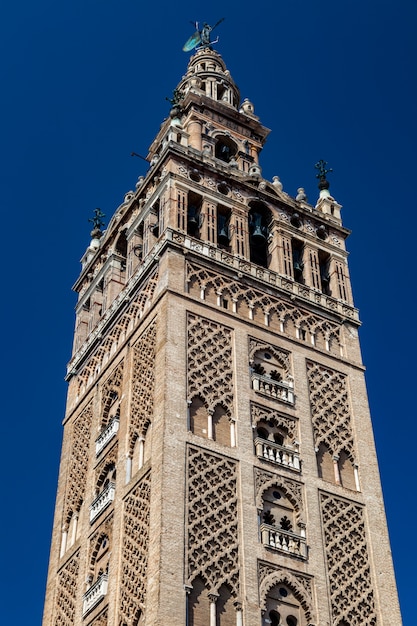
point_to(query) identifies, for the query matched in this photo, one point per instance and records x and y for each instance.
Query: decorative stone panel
(135, 551)
(78, 463)
(350, 583)
(141, 408)
(117, 334)
(212, 523)
(290, 319)
(66, 592)
(209, 363)
(330, 409)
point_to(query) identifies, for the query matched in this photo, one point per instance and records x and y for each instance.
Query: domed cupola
(207, 74)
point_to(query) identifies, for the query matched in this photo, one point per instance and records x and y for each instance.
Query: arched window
(283, 608)
(226, 612)
(121, 244)
(346, 471)
(325, 464)
(270, 375)
(221, 426)
(198, 604)
(280, 528)
(259, 220)
(298, 260)
(278, 510)
(225, 148)
(108, 476)
(194, 217)
(198, 417)
(274, 444)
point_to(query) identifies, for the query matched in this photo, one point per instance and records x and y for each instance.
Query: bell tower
(218, 465)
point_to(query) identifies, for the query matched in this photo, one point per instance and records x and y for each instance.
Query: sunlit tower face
(218, 466)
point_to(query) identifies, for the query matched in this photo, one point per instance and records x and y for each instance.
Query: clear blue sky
(83, 85)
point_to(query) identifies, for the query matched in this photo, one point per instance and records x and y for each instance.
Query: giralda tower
(218, 465)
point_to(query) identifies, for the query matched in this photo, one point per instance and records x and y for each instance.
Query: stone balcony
(271, 451)
(95, 594)
(102, 501)
(278, 390)
(284, 541)
(106, 435)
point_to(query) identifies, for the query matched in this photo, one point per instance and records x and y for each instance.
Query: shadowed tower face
(218, 465)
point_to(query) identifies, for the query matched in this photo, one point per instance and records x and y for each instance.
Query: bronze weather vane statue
(201, 38)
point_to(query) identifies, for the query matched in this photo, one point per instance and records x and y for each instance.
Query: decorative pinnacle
(97, 222)
(322, 172)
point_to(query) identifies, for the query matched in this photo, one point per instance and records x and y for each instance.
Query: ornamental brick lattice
(212, 520)
(351, 588)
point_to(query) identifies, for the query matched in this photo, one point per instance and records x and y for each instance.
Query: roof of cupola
(207, 74)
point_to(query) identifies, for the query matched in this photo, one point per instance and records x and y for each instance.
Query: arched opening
(297, 260)
(275, 618)
(223, 226)
(121, 244)
(107, 477)
(225, 148)
(283, 608)
(324, 267)
(269, 431)
(277, 510)
(346, 471)
(259, 220)
(198, 417)
(198, 604)
(110, 408)
(100, 559)
(325, 464)
(266, 364)
(194, 217)
(226, 613)
(221, 426)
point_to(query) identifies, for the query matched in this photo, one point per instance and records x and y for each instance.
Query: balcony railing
(106, 435)
(102, 501)
(96, 593)
(275, 453)
(279, 390)
(284, 541)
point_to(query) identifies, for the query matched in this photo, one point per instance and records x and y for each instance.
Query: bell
(155, 229)
(193, 221)
(223, 237)
(258, 234)
(298, 269)
(223, 232)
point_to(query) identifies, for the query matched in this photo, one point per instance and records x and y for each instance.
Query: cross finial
(321, 167)
(322, 172)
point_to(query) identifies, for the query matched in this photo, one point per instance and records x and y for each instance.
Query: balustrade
(106, 435)
(284, 540)
(280, 390)
(102, 501)
(96, 593)
(275, 453)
